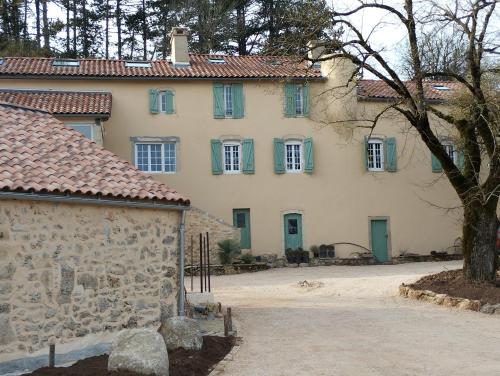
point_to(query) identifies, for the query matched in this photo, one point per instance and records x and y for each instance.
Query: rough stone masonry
(69, 270)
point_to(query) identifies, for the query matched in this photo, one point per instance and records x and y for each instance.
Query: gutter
(160, 78)
(180, 305)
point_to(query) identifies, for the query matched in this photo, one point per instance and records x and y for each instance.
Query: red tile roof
(377, 89)
(39, 154)
(60, 102)
(233, 67)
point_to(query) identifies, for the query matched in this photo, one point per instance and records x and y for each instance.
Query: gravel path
(351, 322)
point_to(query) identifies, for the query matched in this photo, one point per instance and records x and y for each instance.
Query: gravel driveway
(351, 322)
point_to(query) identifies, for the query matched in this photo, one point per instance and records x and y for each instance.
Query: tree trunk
(68, 21)
(38, 30)
(106, 53)
(75, 15)
(119, 28)
(479, 241)
(46, 31)
(144, 32)
(240, 29)
(85, 37)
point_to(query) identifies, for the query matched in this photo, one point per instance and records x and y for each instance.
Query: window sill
(159, 172)
(231, 173)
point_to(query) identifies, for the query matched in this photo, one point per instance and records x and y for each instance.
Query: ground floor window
(156, 158)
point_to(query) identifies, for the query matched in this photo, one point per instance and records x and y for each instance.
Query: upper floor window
(84, 129)
(450, 150)
(228, 101)
(156, 157)
(375, 153)
(293, 156)
(161, 101)
(296, 99)
(232, 157)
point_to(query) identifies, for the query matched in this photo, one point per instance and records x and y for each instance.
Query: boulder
(200, 298)
(139, 350)
(181, 332)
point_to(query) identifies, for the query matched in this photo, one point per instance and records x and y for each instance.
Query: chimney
(315, 50)
(179, 46)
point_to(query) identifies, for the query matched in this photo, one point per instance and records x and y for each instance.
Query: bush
(228, 248)
(315, 250)
(247, 258)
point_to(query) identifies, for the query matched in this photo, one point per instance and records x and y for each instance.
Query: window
(293, 156)
(165, 106)
(232, 158)
(441, 87)
(293, 227)
(375, 155)
(299, 100)
(156, 158)
(216, 60)
(450, 150)
(240, 220)
(66, 63)
(228, 101)
(137, 64)
(85, 129)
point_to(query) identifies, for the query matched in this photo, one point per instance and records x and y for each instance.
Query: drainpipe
(181, 263)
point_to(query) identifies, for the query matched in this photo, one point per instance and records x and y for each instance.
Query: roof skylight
(441, 87)
(66, 63)
(138, 64)
(216, 60)
(1, 60)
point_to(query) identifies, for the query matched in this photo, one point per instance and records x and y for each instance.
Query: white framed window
(450, 150)
(228, 101)
(293, 156)
(375, 154)
(232, 157)
(86, 129)
(162, 98)
(299, 99)
(156, 158)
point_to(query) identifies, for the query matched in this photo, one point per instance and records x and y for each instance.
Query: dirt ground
(453, 283)
(349, 321)
(182, 362)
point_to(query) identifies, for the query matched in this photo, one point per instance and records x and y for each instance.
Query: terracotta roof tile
(60, 102)
(38, 153)
(252, 66)
(377, 89)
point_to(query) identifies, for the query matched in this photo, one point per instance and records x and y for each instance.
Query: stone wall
(199, 221)
(69, 270)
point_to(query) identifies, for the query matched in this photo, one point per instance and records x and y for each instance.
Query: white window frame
(228, 110)
(231, 144)
(375, 141)
(90, 125)
(450, 150)
(294, 169)
(149, 171)
(161, 96)
(299, 100)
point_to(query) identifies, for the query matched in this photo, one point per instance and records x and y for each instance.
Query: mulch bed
(182, 362)
(453, 284)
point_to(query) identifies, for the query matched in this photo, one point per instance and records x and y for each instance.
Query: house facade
(275, 147)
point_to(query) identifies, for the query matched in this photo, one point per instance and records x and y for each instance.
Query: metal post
(205, 260)
(52, 356)
(201, 262)
(229, 319)
(208, 261)
(192, 263)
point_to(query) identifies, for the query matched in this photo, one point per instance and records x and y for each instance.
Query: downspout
(182, 223)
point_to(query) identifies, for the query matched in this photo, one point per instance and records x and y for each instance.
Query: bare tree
(476, 116)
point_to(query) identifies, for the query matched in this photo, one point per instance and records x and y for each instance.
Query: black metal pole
(205, 254)
(201, 262)
(208, 261)
(52, 356)
(191, 263)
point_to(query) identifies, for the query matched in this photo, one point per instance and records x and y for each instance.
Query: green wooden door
(379, 237)
(241, 220)
(293, 231)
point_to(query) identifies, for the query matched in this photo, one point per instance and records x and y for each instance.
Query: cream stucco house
(263, 143)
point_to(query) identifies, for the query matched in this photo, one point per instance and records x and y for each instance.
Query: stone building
(89, 244)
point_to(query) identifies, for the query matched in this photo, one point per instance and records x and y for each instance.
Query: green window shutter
(218, 101)
(238, 103)
(290, 100)
(216, 146)
(306, 99)
(279, 156)
(248, 159)
(170, 102)
(308, 156)
(153, 101)
(365, 152)
(436, 165)
(460, 159)
(391, 156)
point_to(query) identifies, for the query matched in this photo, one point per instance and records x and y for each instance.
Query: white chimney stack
(315, 50)
(179, 46)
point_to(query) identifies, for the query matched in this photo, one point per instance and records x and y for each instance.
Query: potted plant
(228, 248)
(247, 258)
(315, 251)
(291, 256)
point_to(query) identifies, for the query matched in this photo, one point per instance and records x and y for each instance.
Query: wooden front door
(379, 239)
(241, 220)
(293, 231)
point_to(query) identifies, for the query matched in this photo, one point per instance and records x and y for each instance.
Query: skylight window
(441, 87)
(216, 60)
(137, 64)
(66, 63)
(1, 61)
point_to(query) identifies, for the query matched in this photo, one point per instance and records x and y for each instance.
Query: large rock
(181, 332)
(139, 350)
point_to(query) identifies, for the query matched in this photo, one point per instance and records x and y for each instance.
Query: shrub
(315, 250)
(228, 248)
(247, 258)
